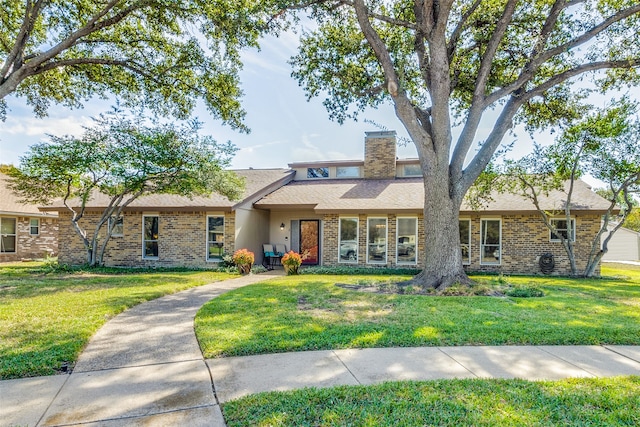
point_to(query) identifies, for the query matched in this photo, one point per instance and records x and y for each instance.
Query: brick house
(370, 213)
(357, 212)
(25, 231)
(170, 230)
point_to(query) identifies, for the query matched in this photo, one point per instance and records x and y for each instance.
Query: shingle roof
(403, 195)
(10, 204)
(257, 181)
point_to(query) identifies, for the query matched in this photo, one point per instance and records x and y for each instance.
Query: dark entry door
(310, 241)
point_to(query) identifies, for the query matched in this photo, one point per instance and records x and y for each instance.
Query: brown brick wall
(380, 155)
(181, 240)
(33, 246)
(524, 239)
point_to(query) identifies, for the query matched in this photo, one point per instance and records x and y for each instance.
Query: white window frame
(31, 226)
(466, 261)
(214, 259)
(14, 234)
(144, 241)
(572, 221)
(386, 239)
(415, 254)
(115, 233)
(348, 261)
(482, 245)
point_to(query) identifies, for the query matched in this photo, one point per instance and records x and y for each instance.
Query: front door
(310, 241)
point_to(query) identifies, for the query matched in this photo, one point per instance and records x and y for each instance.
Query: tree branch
(534, 64)
(457, 32)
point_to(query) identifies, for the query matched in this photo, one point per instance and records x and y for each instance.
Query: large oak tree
(166, 54)
(451, 62)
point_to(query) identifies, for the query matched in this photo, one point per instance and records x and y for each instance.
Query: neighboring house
(357, 212)
(370, 213)
(623, 246)
(169, 230)
(25, 231)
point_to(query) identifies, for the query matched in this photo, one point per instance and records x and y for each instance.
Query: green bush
(525, 291)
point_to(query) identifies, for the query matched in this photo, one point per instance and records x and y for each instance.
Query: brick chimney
(380, 155)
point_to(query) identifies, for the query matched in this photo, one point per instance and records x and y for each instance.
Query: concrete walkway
(144, 367)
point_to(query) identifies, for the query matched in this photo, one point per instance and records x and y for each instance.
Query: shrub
(243, 257)
(525, 291)
(292, 259)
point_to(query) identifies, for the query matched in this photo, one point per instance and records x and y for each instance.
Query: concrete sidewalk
(144, 367)
(235, 377)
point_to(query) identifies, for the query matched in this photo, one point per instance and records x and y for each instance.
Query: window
(34, 226)
(490, 242)
(412, 170)
(215, 238)
(317, 172)
(347, 172)
(118, 226)
(561, 230)
(377, 240)
(150, 237)
(465, 240)
(407, 238)
(7, 235)
(348, 240)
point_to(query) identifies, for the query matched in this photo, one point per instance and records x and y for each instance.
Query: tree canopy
(122, 158)
(165, 54)
(470, 63)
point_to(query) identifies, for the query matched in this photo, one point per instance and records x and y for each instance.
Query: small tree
(123, 159)
(605, 145)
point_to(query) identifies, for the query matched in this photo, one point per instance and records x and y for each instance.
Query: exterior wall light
(282, 226)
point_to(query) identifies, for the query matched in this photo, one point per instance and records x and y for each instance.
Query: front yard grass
(47, 317)
(571, 402)
(298, 313)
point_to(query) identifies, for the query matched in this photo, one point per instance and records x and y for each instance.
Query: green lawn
(572, 402)
(299, 313)
(46, 318)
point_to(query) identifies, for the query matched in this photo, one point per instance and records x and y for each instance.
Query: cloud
(33, 127)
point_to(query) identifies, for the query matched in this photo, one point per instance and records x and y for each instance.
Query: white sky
(284, 127)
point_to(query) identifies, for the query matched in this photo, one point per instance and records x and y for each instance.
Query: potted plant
(243, 259)
(291, 261)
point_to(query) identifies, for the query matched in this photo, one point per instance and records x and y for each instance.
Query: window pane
(8, 243)
(151, 249)
(465, 240)
(151, 236)
(412, 170)
(317, 172)
(8, 226)
(348, 239)
(561, 229)
(377, 240)
(490, 242)
(118, 228)
(215, 237)
(151, 228)
(407, 237)
(34, 226)
(347, 172)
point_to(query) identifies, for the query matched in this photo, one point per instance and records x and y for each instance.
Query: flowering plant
(292, 258)
(243, 257)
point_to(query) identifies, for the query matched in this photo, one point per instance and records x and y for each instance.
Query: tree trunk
(442, 256)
